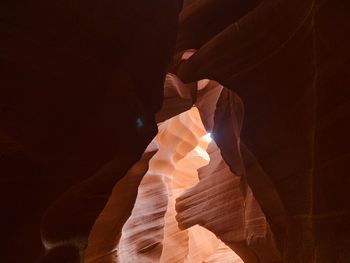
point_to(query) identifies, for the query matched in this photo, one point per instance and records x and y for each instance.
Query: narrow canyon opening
(188, 207)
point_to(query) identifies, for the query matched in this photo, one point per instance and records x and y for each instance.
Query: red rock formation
(220, 201)
(287, 61)
(152, 234)
(81, 85)
(74, 81)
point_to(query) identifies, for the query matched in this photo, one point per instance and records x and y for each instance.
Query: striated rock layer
(190, 206)
(81, 85)
(288, 62)
(151, 233)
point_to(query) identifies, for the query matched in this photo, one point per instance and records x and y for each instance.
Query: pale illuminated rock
(151, 234)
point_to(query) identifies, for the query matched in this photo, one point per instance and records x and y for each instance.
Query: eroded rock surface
(77, 91)
(81, 83)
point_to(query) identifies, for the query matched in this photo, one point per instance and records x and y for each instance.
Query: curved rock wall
(81, 85)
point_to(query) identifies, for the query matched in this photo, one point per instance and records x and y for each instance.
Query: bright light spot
(208, 137)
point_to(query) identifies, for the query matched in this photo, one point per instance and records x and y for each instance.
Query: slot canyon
(175, 131)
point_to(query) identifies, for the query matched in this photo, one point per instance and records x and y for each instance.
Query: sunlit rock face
(189, 206)
(81, 97)
(152, 233)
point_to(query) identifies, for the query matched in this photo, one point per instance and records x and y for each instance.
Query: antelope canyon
(175, 131)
